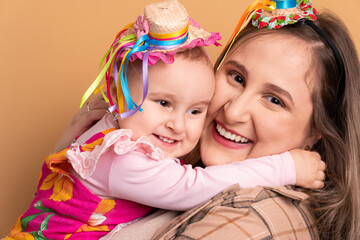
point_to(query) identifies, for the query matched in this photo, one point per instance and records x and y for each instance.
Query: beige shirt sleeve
(257, 213)
(144, 228)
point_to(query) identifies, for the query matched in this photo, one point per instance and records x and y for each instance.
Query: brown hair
(336, 207)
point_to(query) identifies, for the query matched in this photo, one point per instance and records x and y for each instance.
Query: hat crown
(166, 17)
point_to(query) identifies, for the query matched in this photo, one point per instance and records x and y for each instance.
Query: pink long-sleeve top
(136, 171)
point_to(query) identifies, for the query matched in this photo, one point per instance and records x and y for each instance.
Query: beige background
(49, 55)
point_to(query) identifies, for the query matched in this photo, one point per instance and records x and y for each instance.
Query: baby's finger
(321, 166)
(321, 176)
(318, 185)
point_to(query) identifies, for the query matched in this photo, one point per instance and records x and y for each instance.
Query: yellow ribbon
(100, 89)
(269, 5)
(93, 86)
(169, 35)
(243, 22)
(120, 96)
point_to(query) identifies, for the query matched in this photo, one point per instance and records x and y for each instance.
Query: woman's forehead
(275, 48)
(272, 37)
(279, 59)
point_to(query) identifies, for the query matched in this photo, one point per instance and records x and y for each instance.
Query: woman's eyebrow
(238, 66)
(270, 86)
(279, 90)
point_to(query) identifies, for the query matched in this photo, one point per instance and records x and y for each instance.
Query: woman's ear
(313, 137)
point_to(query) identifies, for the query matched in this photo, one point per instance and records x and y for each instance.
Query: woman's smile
(230, 135)
(229, 138)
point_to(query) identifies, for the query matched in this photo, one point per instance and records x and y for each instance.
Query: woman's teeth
(164, 139)
(229, 135)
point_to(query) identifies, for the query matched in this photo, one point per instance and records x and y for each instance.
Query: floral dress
(64, 208)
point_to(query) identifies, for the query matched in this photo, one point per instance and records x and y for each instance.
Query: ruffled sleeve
(84, 162)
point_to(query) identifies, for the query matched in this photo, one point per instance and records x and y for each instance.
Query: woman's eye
(275, 101)
(194, 112)
(238, 78)
(163, 103)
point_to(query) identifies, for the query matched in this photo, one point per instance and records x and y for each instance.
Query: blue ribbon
(146, 41)
(285, 4)
(145, 88)
(123, 75)
(168, 42)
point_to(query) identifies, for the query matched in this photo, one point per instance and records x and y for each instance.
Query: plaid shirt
(256, 213)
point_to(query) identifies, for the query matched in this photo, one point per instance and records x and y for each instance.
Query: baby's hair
(195, 54)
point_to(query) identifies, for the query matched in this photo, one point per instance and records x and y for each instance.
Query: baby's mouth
(230, 136)
(164, 139)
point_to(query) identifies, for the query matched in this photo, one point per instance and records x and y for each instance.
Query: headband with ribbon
(260, 13)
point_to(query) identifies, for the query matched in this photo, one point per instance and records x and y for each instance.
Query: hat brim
(198, 37)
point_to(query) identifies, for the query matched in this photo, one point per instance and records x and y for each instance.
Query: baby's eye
(275, 101)
(238, 78)
(194, 112)
(163, 103)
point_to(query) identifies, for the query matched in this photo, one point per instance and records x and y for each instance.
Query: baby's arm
(166, 184)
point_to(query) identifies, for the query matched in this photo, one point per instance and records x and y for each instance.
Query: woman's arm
(83, 119)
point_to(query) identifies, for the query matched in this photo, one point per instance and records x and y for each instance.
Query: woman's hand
(86, 117)
(310, 169)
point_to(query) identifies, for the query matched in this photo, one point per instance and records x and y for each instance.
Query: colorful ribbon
(267, 5)
(146, 44)
(93, 86)
(169, 36)
(244, 20)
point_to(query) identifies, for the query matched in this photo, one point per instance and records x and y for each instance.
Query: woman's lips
(228, 138)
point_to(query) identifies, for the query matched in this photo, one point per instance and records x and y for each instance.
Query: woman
(293, 87)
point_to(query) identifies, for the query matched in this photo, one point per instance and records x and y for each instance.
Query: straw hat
(163, 30)
(170, 17)
(166, 17)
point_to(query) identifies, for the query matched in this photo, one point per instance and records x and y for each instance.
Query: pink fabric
(84, 163)
(141, 26)
(136, 171)
(64, 208)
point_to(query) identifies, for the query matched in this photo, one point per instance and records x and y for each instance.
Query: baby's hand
(309, 169)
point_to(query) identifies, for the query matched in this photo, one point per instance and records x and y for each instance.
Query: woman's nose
(176, 123)
(238, 109)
